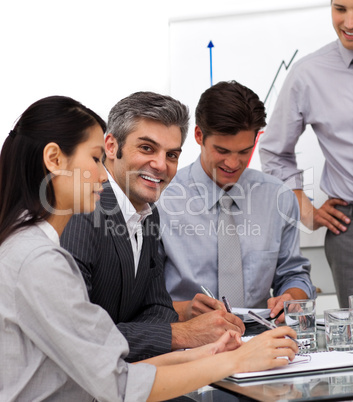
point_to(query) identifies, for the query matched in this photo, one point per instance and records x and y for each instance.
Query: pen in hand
(207, 292)
(226, 303)
(270, 325)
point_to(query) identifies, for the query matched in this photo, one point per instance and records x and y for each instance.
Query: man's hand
(327, 215)
(206, 328)
(200, 304)
(276, 303)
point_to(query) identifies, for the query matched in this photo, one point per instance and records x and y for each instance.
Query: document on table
(320, 323)
(318, 362)
(243, 313)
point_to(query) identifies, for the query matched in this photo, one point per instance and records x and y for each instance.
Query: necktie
(230, 269)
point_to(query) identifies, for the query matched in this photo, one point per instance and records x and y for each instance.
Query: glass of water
(300, 315)
(338, 329)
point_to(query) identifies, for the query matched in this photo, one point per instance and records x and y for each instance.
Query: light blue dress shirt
(266, 214)
(317, 91)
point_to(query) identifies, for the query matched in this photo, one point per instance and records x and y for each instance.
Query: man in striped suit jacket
(116, 246)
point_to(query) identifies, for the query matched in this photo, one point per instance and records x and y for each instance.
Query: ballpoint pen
(270, 325)
(207, 292)
(229, 310)
(226, 303)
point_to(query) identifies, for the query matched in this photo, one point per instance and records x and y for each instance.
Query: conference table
(326, 386)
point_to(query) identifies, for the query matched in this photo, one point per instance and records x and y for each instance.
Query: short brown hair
(229, 107)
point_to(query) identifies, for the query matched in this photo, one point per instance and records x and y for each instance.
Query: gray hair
(126, 114)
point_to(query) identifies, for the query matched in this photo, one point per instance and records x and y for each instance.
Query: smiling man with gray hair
(116, 247)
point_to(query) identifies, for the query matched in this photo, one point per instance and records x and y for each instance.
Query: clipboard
(319, 362)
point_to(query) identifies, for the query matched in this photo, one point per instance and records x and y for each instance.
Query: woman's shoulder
(26, 245)
(30, 256)
(27, 238)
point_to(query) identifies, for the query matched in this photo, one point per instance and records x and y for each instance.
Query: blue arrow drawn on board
(210, 46)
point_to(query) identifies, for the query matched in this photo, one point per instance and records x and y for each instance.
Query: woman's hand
(230, 340)
(268, 350)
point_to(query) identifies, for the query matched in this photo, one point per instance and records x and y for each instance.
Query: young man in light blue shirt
(266, 213)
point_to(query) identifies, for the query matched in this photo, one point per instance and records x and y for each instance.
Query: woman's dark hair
(57, 119)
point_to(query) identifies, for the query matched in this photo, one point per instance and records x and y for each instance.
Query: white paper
(319, 361)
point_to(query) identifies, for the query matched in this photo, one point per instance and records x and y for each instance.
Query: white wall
(96, 52)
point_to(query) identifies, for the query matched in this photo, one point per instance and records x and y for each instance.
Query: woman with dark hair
(54, 343)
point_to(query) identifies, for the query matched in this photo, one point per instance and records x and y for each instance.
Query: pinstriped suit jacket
(141, 307)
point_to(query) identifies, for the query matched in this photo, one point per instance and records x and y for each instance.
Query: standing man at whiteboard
(319, 91)
(262, 213)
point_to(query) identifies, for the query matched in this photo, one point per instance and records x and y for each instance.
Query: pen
(207, 292)
(226, 303)
(278, 314)
(270, 325)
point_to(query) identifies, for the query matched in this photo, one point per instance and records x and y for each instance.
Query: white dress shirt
(134, 220)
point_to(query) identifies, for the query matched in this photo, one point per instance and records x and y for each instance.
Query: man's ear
(53, 157)
(111, 146)
(198, 135)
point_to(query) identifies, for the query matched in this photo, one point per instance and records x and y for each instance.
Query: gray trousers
(339, 254)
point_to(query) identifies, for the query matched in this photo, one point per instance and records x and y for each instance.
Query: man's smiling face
(225, 157)
(149, 161)
(342, 20)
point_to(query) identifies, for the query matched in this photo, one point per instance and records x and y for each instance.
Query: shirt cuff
(295, 182)
(139, 383)
(310, 290)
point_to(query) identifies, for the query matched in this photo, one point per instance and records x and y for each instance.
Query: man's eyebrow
(149, 140)
(226, 149)
(175, 150)
(219, 147)
(245, 149)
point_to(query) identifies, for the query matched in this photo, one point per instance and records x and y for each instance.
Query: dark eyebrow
(225, 149)
(246, 149)
(335, 4)
(218, 147)
(148, 139)
(175, 150)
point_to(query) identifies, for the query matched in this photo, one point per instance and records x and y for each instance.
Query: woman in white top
(54, 343)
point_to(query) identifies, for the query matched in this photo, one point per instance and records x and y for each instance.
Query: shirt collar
(126, 207)
(206, 187)
(51, 233)
(347, 55)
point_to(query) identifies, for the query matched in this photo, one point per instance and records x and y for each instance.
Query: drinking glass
(338, 329)
(300, 315)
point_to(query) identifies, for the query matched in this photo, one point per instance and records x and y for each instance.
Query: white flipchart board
(249, 48)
